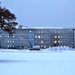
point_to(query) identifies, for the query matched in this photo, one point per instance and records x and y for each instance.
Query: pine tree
(7, 20)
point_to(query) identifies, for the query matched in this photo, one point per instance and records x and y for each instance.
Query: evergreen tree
(7, 20)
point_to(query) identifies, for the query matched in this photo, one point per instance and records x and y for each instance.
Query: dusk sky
(42, 13)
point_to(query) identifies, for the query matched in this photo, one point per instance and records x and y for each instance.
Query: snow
(44, 62)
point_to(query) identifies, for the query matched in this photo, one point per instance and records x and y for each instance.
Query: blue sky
(44, 13)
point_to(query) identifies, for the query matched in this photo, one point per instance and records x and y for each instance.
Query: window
(21, 37)
(8, 46)
(5, 36)
(36, 41)
(13, 41)
(58, 31)
(21, 32)
(58, 41)
(35, 36)
(64, 46)
(38, 36)
(41, 41)
(13, 36)
(44, 46)
(41, 31)
(30, 31)
(42, 36)
(13, 45)
(38, 31)
(8, 41)
(55, 36)
(61, 41)
(55, 41)
(55, 31)
(8, 36)
(58, 36)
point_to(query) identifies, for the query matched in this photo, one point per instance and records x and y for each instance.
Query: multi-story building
(44, 37)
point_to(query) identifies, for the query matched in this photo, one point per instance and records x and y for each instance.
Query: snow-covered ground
(44, 62)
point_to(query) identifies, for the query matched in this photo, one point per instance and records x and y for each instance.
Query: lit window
(64, 46)
(58, 41)
(58, 36)
(55, 37)
(55, 41)
(30, 31)
(13, 36)
(38, 36)
(35, 36)
(8, 36)
(41, 41)
(8, 41)
(44, 46)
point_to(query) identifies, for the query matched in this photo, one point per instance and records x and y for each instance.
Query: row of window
(44, 46)
(56, 41)
(12, 41)
(10, 46)
(54, 31)
(21, 32)
(9, 36)
(45, 36)
(9, 41)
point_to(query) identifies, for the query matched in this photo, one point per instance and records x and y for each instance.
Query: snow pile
(60, 48)
(52, 49)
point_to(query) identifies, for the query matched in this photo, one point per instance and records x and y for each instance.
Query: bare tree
(7, 20)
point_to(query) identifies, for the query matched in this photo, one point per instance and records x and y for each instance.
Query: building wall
(54, 37)
(18, 40)
(44, 37)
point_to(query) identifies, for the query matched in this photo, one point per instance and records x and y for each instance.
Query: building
(44, 37)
